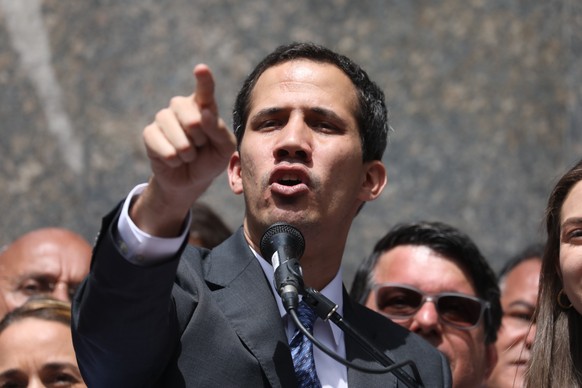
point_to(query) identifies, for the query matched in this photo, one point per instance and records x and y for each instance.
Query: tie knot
(306, 316)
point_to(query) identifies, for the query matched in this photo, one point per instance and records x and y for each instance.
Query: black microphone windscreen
(281, 235)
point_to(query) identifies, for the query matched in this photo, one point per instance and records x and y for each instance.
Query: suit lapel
(244, 295)
(358, 356)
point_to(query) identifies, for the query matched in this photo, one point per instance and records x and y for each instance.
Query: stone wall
(485, 100)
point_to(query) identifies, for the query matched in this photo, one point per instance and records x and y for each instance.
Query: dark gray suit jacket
(209, 319)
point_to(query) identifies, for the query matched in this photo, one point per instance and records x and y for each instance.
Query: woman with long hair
(557, 350)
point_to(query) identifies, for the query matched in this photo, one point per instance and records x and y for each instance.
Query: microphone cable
(283, 245)
(326, 309)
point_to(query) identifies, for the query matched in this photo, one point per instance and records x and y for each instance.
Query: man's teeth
(289, 179)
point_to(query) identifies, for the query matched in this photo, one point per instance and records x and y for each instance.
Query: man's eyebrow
(324, 112)
(11, 373)
(267, 112)
(59, 365)
(327, 113)
(38, 276)
(35, 275)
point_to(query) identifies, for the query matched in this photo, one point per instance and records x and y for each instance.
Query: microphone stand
(283, 244)
(326, 309)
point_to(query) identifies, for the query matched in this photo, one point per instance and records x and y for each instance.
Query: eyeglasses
(400, 301)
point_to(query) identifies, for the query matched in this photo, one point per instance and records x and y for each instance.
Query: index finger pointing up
(204, 93)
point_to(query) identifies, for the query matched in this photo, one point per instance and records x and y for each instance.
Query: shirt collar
(333, 291)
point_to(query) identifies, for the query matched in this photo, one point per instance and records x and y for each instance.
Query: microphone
(283, 245)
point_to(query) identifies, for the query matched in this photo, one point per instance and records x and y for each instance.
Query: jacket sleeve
(124, 323)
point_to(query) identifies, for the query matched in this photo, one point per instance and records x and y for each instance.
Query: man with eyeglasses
(432, 279)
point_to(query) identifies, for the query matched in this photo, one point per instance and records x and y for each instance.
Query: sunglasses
(400, 302)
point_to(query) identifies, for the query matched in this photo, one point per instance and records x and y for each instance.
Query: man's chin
(289, 215)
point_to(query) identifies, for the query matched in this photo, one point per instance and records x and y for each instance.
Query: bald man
(48, 261)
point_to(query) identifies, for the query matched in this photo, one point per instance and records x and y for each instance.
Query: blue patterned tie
(302, 350)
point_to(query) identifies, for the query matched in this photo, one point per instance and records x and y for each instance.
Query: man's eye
(11, 384)
(14, 380)
(63, 380)
(270, 124)
(524, 316)
(325, 125)
(31, 287)
(34, 287)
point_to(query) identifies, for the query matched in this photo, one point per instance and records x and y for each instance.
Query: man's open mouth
(289, 180)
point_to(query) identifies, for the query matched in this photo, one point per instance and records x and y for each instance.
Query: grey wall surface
(485, 100)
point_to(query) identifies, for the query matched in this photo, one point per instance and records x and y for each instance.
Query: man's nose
(426, 318)
(35, 382)
(61, 292)
(529, 338)
(295, 141)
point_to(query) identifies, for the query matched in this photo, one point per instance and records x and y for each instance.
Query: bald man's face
(48, 261)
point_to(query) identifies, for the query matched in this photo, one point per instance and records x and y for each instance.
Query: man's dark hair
(530, 252)
(448, 242)
(371, 112)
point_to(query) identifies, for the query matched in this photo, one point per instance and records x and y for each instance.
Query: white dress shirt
(142, 248)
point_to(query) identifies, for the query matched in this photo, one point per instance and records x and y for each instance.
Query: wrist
(160, 212)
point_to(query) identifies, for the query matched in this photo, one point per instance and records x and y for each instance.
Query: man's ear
(234, 173)
(375, 179)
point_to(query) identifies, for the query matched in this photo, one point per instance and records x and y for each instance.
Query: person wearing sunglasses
(432, 279)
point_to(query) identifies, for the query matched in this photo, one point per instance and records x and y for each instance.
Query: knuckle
(162, 114)
(149, 130)
(184, 148)
(177, 101)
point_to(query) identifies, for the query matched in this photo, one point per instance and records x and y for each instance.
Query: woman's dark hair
(556, 359)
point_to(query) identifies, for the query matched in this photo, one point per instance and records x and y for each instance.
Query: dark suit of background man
(310, 131)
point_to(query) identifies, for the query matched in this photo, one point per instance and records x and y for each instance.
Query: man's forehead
(524, 277)
(305, 79)
(32, 266)
(302, 69)
(410, 259)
